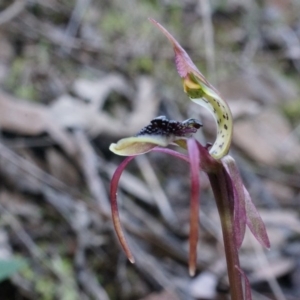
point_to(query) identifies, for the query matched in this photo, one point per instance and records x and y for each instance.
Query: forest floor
(76, 76)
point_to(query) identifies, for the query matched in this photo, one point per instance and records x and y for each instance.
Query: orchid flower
(235, 206)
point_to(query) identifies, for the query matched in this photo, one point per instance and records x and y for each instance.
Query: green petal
(203, 93)
(139, 145)
(208, 98)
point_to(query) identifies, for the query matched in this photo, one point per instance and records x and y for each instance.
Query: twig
(33, 170)
(151, 267)
(157, 192)
(154, 232)
(90, 170)
(205, 11)
(74, 22)
(12, 11)
(90, 284)
(263, 262)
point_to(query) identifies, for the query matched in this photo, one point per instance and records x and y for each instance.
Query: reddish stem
(223, 192)
(194, 209)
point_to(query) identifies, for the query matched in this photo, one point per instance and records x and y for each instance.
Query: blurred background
(76, 76)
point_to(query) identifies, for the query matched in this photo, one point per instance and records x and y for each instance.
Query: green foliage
(10, 266)
(44, 284)
(63, 268)
(292, 111)
(141, 64)
(114, 22)
(15, 80)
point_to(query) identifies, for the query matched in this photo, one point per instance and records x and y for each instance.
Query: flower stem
(223, 192)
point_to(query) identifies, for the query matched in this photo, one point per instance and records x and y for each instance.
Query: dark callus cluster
(162, 126)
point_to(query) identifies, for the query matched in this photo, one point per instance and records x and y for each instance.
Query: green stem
(223, 193)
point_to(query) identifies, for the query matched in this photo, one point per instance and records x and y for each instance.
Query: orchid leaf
(239, 218)
(239, 198)
(248, 295)
(203, 93)
(255, 222)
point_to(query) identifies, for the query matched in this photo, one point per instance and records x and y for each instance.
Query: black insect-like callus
(162, 126)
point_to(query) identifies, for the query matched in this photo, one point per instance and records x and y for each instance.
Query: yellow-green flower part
(205, 96)
(203, 93)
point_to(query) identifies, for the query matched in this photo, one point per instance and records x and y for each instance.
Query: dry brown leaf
(280, 191)
(265, 86)
(26, 118)
(164, 295)
(72, 113)
(17, 204)
(6, 50)
(240, 110)
(96, 92)
(61, 168)
(277, 236)
(276, 267)
(267, 138)
(145, 104)
(286, 218)
(21, 117)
